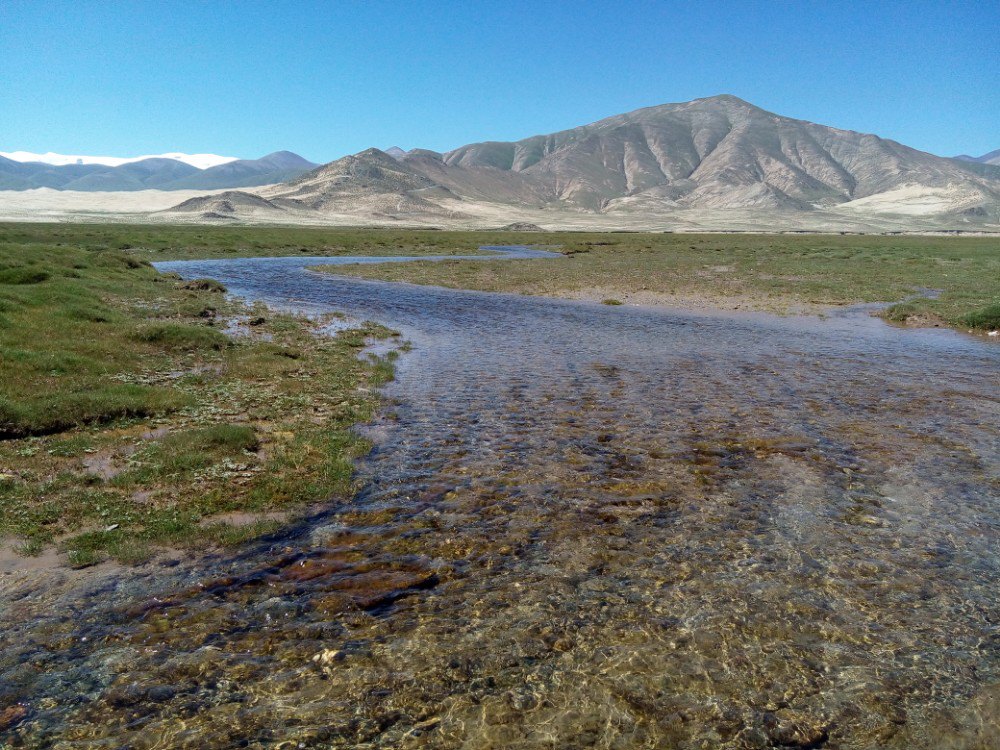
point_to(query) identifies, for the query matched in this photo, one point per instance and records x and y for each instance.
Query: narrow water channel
(582, 526)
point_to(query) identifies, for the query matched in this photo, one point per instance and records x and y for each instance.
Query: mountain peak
(724, 99)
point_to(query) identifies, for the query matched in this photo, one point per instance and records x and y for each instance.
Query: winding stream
(582, 526)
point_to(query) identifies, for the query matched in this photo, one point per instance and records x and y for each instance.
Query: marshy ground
(582, 525)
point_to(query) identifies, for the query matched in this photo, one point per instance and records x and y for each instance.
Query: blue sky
(329, 78)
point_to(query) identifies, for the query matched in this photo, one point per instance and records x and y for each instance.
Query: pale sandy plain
(913, 209)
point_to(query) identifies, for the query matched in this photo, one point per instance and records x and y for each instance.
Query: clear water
(582, 526)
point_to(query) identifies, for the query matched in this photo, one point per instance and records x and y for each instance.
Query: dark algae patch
(579, 526)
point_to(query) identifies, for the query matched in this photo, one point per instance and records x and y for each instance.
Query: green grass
(22, 275)
(179, 337)
(183, 453)
(987, 319)
(129, 422)
(162, 242)
(60, 411)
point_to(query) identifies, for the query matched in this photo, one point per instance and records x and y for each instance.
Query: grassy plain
(779, 273)
(133, 415)
(165, 242)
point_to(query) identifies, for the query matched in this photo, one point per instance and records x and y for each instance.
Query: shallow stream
(582, 526)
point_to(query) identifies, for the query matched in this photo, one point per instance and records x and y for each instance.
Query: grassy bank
(766, 272)
(163, 242)
(138, 411)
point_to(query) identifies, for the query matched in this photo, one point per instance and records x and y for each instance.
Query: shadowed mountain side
(15, 175)
(140, 175)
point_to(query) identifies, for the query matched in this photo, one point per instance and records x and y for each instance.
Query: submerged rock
(12, 716)
(788, 728)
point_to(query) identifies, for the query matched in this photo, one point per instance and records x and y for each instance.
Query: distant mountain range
(707, 155)
(993, 157)
(202, 161)
(166, 172)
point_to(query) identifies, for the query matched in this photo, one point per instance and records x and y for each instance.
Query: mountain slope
(371, 181)
(719, 152)
(149, 174)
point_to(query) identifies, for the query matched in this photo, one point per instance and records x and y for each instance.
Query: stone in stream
(12, 716)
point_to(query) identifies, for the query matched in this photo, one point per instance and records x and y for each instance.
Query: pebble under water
(581, 526)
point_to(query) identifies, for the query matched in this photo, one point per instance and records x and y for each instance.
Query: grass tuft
(22, 275)
(204, 285)
(987, 318)
(56, 412)
(179, 337)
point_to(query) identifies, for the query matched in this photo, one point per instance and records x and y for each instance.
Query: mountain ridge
(711, 154)
(993, 158)
(200, 161)
(154, 173)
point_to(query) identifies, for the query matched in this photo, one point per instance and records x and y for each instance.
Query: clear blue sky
(329, 78)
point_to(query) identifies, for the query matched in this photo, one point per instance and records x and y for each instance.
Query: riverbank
(141, 412)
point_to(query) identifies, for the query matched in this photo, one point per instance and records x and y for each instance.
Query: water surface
(582, 526)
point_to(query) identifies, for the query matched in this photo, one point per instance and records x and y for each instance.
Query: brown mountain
(713, 155)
